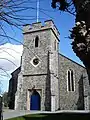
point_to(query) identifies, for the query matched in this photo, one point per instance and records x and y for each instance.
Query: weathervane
(37, 10)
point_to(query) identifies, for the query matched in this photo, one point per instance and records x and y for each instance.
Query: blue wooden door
(35, 101)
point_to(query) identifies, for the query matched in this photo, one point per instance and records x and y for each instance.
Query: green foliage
(63, 4)
(5, 99)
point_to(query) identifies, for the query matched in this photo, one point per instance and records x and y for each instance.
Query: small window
(36, 41)
(35, 61)
(70, 81)
(55, 45)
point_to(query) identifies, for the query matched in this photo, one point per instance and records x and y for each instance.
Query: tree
(81, 32)
(12, 15)
(5, 99)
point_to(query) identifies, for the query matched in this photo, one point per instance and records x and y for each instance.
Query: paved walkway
(15, 113)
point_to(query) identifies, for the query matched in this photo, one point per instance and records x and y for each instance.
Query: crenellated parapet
(34, 27)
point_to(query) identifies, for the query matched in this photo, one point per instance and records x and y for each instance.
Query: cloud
(10, 56)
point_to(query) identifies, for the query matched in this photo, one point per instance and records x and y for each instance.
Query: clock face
(35, 61)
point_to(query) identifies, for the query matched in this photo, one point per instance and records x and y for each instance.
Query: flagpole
(37, 10)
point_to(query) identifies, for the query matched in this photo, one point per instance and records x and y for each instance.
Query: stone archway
(35, 100)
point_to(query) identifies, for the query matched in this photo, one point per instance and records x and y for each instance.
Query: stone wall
(44, 76)
(13, 87)
(49, 76)
(71, 100)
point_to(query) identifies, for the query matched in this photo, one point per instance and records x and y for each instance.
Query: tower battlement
(49, 24)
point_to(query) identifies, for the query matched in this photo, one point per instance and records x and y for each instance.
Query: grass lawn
(29, 117)
(58, 116)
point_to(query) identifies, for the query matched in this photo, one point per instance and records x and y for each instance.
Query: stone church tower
(46, 79)
(39, 68)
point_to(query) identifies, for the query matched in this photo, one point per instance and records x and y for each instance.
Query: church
(46, 79)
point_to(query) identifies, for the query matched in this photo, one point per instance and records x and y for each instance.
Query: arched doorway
(35, 100)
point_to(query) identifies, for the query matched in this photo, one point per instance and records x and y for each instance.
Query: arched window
(36, 41)
(55, 45)
(70, 81)
(69, 89)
